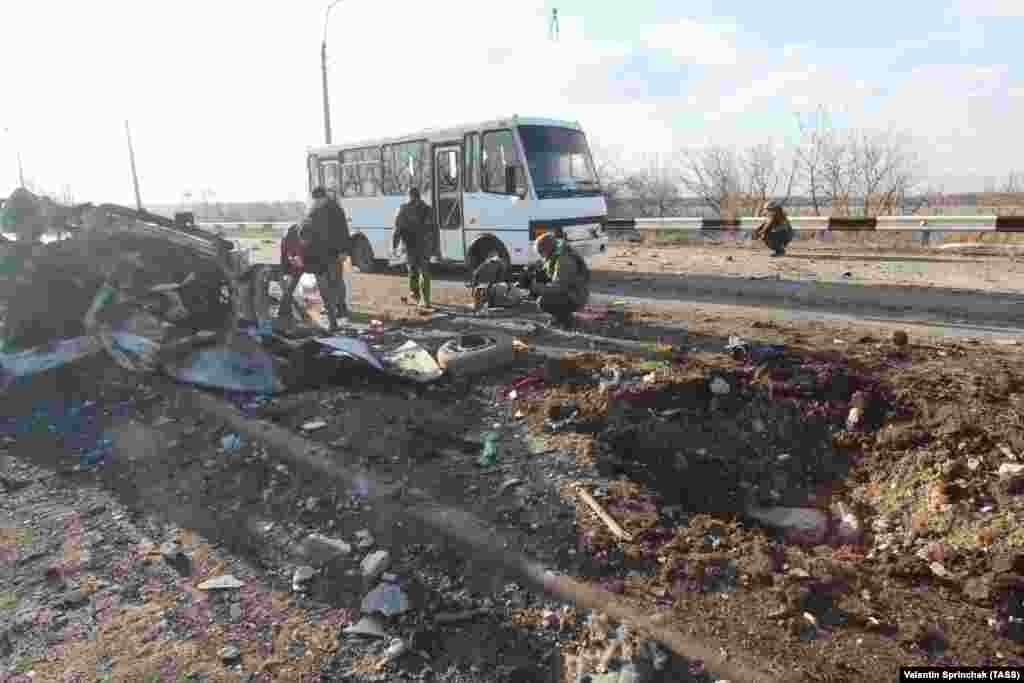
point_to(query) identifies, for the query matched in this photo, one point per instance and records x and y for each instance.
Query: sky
(224, 97)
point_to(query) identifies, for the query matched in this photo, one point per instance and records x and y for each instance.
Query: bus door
(448, 201)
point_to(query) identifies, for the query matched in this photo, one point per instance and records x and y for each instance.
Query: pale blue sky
(225, 95)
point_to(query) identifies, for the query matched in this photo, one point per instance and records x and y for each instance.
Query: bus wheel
(362, 255)
(482, 249)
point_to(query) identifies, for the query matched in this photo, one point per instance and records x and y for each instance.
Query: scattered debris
(609, 521)
(387, 598)
(489, 451)
(224, 582)
(313, 425)
(799, 525)
(375, 564)
(302, 578)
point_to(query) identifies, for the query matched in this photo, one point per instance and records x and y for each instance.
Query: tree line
(828, 171)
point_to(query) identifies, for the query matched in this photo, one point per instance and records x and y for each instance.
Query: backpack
(292, 250)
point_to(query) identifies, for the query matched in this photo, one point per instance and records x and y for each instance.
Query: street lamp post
(323, 69)
(21, 169)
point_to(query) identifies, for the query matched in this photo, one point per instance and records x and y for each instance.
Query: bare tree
(765, 175)
(714, 176)
(817, 142)
(883, 167)
(611, 171)
(657, 184)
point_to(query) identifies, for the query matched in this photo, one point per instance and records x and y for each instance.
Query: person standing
(776, 232)
(415, 227)
(323, 234)
(568, 280)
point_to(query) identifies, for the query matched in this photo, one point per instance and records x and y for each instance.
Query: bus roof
(445, 134)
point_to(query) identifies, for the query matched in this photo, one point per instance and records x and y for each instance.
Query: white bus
(494, 186)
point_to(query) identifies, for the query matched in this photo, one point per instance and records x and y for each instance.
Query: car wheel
(474, 354)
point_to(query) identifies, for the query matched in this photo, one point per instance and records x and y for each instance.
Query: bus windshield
(560, 162)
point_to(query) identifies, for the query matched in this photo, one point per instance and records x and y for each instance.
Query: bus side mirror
(514, 178)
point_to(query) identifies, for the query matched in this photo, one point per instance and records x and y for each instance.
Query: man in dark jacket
(324, 236)
(568, 280)
(415, 227)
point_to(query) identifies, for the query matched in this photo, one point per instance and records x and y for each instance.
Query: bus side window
(389, 171)
(499, 152)
(471, 170)
(313, 169)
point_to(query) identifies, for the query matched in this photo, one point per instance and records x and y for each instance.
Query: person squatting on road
(414, 226)
(568, 286)
(314, 247)
(490, 283)
(776, 232)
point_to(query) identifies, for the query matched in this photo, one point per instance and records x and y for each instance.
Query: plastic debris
(412, 361)
(17, 365)
(257, 328)
(355, 348)
(219, 583)
(225, 368)
(489, 452)
(230, 441)
(367, 626)
(313, 425)
(100, 454)
(386, 598)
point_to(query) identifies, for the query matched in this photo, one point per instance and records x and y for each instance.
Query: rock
(899, 338)
(367, 626)
(848, 529)
(388, 599)
(939, 570)
(364, 539)
(375, 564)
(1008, 564)
(236, 611)
(313, 425)
(74, 599)
(302, 577)
(174, 555)
(230, 654)
(321, 550)
(225, 582)
(719, 387)
(507, 484)
(978, 588)
(799, 525)
(396, 649)
(1010, 469)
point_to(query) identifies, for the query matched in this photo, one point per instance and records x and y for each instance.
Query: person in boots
(568, 280)
(776, 231)
(415, 227)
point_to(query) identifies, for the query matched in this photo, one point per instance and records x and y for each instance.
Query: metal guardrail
(832, 224)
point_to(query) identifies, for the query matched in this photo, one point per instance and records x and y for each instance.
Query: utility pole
(323, 70)
(135, 175)
(21, 172)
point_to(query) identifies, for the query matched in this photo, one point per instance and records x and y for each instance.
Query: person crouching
(568, 286)
(776, 232)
